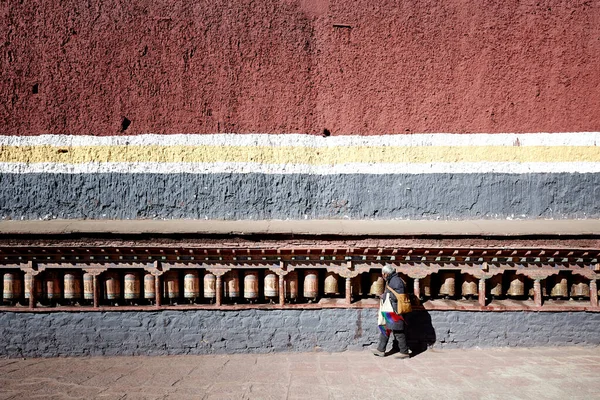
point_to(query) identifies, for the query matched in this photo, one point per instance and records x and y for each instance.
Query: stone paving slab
(499, 373)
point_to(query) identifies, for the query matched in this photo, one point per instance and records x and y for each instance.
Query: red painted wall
(276, 66)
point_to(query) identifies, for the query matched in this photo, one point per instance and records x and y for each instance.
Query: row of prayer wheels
(194, 285)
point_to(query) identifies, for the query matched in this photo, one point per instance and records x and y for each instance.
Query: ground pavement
(507, 373)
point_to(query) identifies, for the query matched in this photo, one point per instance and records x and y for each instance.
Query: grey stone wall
(206, 331)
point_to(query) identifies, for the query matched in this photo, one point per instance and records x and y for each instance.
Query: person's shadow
(420, 334)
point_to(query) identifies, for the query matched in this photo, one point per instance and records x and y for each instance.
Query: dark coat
(396, 283)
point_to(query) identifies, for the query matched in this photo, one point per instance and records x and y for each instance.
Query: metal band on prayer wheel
(88, 286)
(377, 284)
(72, 286)
(52, 286)
(331, 284)
(38, 287)
(311, 284)
(559, 287)
(131, 290)
(580, 287)
(469, 285)
(171, 285)
(149, 286)
(356, 285)
(250, 285)
(232, 284)
(291, 285)
(112, 286)
(191, 285)
(210, 285)
(12, 286)
(271, 284)
(495, 284)
(448, 284)
(425, 286)
(517, 286)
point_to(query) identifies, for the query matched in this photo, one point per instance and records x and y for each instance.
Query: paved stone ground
(502, 373)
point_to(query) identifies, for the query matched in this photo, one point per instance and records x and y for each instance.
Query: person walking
(394, 325)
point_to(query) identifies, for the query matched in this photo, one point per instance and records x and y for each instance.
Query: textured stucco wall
(202, 332)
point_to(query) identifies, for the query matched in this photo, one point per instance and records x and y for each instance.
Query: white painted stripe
(351, 168)
(301, 140)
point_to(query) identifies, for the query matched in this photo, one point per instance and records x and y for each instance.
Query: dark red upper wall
(277, 66)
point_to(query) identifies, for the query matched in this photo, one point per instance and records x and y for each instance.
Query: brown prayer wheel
(271, 284)
(250, 285)
(38, 287)
(517, 286)
(356, 285)
(72, 286)
(210, 285)
(171, 285)
(291, 285)
(311, 284)
(12, 286)
(448, 284)
(377, 284)
(149, 286)
(495, 285)
(132, 286)
(112, 286)
(469, 285)
(559, 287)
(425, 286)
(52, 286)
(331, 284)
(88, 286)
(580, 287)
(191, 285)
(232, 284)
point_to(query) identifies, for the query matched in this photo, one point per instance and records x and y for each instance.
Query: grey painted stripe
(259, 196)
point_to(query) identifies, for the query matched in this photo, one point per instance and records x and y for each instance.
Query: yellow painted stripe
(296, 155)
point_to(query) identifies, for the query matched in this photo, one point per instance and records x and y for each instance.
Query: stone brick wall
(204, 332)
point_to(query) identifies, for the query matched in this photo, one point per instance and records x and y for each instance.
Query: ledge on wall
(586, 227)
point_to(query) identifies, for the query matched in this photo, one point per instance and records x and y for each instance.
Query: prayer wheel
(559, 286)
(210, 285)
(171, 285)
(72, 286)
(112, 286)
(580, 287)
(356, 285)
(88, 286)
(232, 284)
(448, 284)
(331, 284)
(12, 286)
(250, 285)
(149, 286)
(311, 284)
(495, 285)
(425, 286)
(271, 284)
(291, 285)
(191, 285)
(132, 287)
(52, 286)
(39, 292)
(517, 286)
(377, 284)
(469, 286)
